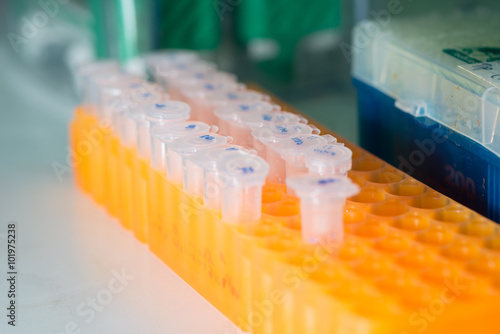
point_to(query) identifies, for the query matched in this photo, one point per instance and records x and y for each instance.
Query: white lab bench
(78, 270)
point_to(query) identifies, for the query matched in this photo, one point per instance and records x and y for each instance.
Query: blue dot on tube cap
(243, 168)
(207, 137)
(244, 107)
(190, 126)
(327, 181)
(323, 188)
(282, 129)
(160, 105)
(267, 118)
(246, 170)
(324, 151)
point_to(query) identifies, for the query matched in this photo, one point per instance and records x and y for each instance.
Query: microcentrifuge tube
(155, 59)
(198, 98)
(158, 113)
(267, 137)
(185, 146)
(292, 150)
(85, 73)
(230, 119)
(167, 73)
(196, 77)
(328, 160)
(322, 201)
(242, 176)
(163, 135)
(200, 173)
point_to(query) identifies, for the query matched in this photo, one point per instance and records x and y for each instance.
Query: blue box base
(445, 160)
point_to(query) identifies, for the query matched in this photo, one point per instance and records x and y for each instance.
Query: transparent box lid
(446, 68)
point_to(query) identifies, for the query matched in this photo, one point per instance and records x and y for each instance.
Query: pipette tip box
(429, 101)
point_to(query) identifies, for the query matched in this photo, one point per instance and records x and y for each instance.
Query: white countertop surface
(70, 253)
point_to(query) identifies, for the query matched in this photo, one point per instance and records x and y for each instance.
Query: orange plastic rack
(413, 261)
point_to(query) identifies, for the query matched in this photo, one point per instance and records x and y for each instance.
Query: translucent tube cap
(333, 159)
(170, 70)
(136, 103)
(200, 172)
(131, 91)
(208, 88)
(273, 132)
(322, 201)
(101, 79)
(84, 75)
(143, 94)
(223, 98)
(144, 87)
(109, 84)
(198, 76)
(135, 85)
(242, 176)
(237, 110)
(164, 111)
(242, 169)
(293, 148)
(99, 69)
(204, 162)
(188, 145)
(171, 131)
(109, 93)
(207, 159)
(309, 186)
(259, 120)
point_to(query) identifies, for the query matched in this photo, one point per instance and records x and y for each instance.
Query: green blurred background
(291, 48)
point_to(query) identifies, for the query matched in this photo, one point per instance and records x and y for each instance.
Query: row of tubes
(219, 141)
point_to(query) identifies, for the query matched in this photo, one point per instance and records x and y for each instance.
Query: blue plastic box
(429, 102)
